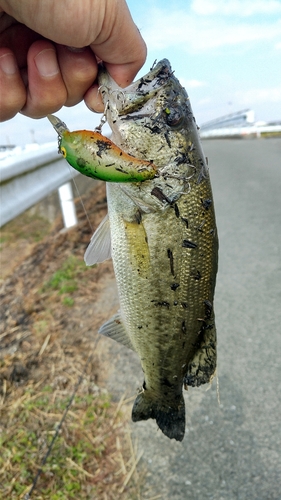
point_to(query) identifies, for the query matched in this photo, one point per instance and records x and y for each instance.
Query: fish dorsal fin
(114, 328)
(99, 248)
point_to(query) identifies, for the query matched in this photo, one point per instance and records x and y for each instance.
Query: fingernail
(75, 49)
(8, 64)
(46, 63)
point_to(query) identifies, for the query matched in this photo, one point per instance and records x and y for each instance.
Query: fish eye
(174, 117)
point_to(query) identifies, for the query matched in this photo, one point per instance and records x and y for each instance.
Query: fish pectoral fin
(99, 248)
(115, 329)
(144, 207)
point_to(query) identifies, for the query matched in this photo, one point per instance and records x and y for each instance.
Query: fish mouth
(128, 100)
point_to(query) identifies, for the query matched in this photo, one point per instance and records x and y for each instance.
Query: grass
(27, 226)
(44, 345)
(93, 455)
(65, 280)
(271, 134)
(87, 458)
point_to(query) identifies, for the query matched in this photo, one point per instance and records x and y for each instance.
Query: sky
(226, 53)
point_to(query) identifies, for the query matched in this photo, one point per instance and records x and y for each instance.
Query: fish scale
(173, 349)
(161, 234)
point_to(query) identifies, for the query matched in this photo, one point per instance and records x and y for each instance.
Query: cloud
(192, 84)
(241, 8)
(204, 101)
(259, 96)
(165, 29)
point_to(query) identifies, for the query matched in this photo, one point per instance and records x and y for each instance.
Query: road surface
(231, 449)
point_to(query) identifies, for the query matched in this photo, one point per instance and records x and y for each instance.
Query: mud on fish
(161, 234)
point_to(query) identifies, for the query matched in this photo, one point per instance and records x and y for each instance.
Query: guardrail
(27, 178)
(231, 132)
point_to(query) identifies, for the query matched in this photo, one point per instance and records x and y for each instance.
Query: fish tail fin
(170, 419)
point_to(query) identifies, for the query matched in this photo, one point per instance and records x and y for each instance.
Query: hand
(49, 52)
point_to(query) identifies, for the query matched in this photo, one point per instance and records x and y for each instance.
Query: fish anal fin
(115, 329)
(170, 419)
(99, 248)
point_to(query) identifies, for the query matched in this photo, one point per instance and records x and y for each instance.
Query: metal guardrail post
(67, 205)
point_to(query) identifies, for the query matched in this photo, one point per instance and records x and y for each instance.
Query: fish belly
(165, 265)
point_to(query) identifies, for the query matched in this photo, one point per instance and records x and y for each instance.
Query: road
(232, 446)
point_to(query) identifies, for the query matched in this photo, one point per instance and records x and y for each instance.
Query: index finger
(120, 45)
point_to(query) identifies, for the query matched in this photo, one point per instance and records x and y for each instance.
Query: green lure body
(98, 157)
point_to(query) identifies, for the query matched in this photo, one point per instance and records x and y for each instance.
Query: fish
(161, 234)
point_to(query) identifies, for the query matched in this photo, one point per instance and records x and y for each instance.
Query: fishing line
(46, 456)
(80, 199)
(218, 387)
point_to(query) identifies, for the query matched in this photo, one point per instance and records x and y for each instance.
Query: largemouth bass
(161, 234)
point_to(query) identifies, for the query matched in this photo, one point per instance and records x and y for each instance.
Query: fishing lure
(98, 157)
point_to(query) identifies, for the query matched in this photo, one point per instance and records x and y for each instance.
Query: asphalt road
(232, 449)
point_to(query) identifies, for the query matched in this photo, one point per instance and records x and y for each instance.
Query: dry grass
(93, 456)
(43, 352)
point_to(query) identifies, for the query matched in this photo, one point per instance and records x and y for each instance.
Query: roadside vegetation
(48, 342)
